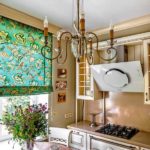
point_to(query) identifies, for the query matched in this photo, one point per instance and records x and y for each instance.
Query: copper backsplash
(122, 108)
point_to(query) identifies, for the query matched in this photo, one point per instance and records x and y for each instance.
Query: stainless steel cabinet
(98, 143)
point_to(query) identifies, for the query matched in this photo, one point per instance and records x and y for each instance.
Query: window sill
(9, 145)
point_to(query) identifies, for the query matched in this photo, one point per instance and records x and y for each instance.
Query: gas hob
(118, 131)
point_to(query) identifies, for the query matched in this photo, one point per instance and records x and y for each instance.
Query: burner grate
(118, 131)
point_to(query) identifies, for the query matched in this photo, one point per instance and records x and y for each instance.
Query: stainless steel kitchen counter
(141, 139)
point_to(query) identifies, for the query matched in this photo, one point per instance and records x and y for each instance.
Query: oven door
(99, 144)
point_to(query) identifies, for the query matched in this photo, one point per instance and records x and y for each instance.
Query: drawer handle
(146, 96)
(76, 132)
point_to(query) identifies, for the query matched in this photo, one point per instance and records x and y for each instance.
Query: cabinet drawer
(78, 140)
(97, 143)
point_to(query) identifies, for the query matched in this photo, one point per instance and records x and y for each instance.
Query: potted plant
(25, 124)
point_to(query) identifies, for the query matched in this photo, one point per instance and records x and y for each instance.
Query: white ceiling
(99, 13)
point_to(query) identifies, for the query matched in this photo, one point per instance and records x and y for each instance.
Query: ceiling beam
(137, 22)
(25, 18)
(132, 39)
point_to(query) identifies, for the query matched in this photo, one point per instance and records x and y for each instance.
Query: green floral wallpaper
(23, 70)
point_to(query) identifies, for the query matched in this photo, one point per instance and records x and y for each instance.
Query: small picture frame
(62, 73)
(61, 97)
(61, 85)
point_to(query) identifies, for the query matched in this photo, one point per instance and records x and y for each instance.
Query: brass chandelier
(81, 41)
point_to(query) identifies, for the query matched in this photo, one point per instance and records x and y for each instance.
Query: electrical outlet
(54, 113)
(70, 115)
(66, 115)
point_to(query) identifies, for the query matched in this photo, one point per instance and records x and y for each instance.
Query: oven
(96, 143)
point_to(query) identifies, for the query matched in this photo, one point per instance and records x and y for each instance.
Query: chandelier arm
(75, 28)
(43, 53)
(86, 46)
(68, 37)
(91, 33)
(107, 49)
(66, 49)
(110, 59)
(90, 59)
(66, 32)
(96, 42)
(111, 34)
(90, 62)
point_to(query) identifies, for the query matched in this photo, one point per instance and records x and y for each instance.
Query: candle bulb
(82, 7)
(45, 26)
(45, 22)
(58, 35)
(111, 27)
(82, 15)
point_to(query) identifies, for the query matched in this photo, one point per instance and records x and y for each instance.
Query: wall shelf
(86, 88)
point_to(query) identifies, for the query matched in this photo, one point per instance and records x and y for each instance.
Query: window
(18, 100)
